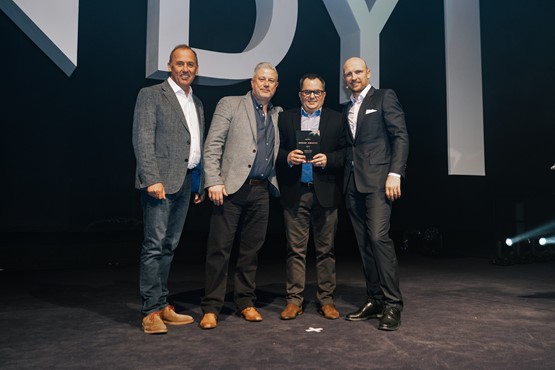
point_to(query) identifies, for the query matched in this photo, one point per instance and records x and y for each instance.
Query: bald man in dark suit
(376, 157)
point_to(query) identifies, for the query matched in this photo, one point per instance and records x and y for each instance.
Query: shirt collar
(362, 95)
(315, 114)
(259, 106)
(177, 89)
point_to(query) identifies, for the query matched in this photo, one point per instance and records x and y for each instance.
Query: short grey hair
(265, 65)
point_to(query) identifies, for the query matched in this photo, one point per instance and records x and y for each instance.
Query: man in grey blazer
(239, 157)
(168, 131)
(376, 156)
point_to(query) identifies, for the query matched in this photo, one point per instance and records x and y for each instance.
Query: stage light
(520, 249)
(543, 241)
(544, 229)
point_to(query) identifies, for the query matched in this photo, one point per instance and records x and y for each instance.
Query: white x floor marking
(316, 330)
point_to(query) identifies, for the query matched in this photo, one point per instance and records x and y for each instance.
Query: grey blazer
(161, 138)
(230, 145)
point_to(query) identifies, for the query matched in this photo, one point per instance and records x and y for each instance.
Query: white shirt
(191, 116)
(355, 107)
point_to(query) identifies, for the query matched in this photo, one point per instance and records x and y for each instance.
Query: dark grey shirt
(265, 137)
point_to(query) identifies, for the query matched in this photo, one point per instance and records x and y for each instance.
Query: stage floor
(460, 313)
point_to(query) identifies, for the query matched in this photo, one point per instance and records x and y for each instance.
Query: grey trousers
(308, 213)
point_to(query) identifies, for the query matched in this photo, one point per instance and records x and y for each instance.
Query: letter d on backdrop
(168, 25)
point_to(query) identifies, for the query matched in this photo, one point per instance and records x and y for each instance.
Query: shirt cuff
(393, 174)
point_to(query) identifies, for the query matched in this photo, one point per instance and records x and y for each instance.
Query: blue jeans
(163, 224)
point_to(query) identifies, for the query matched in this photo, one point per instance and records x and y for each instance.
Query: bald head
(356, 75)
(357, 60)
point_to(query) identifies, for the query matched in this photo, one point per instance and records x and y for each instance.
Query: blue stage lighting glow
(547, 228)
(547, 240)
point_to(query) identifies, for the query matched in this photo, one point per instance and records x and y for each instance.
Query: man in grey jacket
(168, 131)
(239, 157)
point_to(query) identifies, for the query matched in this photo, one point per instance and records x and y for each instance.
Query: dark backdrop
(67, 162)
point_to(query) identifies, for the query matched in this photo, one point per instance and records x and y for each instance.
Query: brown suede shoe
(169, 316)
(251, 314)
(209, 321)
(291, 311)
(329, 311)
(153, 324)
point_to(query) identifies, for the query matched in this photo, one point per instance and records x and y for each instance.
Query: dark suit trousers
(370, 214)
(298, 221)
(245, 212)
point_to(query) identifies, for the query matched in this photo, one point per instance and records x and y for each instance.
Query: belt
(308, 185)
(255, 182)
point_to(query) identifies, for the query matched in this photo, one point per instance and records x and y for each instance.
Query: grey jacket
(230, 145)
(161, 138)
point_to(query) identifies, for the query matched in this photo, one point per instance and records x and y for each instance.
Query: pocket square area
(368, 111)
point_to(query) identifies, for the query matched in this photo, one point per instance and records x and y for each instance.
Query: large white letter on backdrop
(463, 60)
(359, 24)
(168, 25)
(52, 25)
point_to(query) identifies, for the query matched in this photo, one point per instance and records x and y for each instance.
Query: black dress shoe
(391, 319)
(370, 310)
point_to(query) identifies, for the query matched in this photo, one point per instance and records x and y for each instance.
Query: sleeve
(397, 132)
(284, 145)
(144, 139)
(215, 142)
(336, 157)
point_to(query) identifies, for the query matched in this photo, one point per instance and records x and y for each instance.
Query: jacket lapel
(362, 112)
(200, 117)
(275, 118)
(297, 121)
(346, 109)
(322, 126)
(250, 114)
(169, 94)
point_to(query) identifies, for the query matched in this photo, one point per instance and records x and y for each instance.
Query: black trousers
(244, 213)
(370, 214)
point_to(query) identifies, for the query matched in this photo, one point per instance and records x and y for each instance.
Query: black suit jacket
(327, 180)
(381, 143)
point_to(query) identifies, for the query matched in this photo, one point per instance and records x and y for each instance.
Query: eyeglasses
(316, 93)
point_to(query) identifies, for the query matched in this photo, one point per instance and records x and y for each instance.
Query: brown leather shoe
(153, 324)
(169, 316)
(329, 311)
(251, 314)
(291, 311)
(209, 321)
